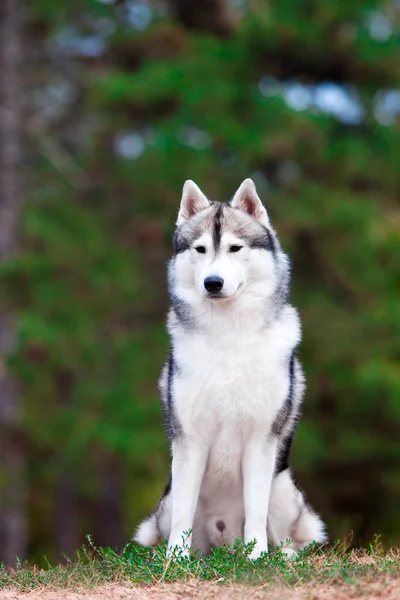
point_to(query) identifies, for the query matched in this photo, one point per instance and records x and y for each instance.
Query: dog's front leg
(258, 467)
(189, 458)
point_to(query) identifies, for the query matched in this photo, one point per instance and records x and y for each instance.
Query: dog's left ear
(247, 200)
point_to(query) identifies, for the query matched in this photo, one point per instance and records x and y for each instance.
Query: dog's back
(232, 387)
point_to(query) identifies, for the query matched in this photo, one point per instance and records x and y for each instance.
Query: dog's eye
(235, 248)
(200, 249)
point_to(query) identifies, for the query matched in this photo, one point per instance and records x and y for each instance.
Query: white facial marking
(231, 263)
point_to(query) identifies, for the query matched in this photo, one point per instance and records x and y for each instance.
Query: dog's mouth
(220, 296)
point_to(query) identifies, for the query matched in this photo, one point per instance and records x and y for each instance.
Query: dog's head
(224, 249)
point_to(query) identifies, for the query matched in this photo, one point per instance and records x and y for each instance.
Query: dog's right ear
(193, 201)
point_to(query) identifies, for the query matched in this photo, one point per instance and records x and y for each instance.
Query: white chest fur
(235, 378)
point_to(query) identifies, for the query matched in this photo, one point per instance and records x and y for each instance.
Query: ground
(384, 589)
(334, 573)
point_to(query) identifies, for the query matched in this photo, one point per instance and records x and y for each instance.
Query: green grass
(95, 566)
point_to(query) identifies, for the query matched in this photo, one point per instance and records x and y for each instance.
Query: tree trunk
(109, 520)
(12, 489)
(66, 525)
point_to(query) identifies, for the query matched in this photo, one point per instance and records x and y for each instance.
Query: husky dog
(232, 387)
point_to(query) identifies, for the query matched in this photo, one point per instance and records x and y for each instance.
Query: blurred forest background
(106, 107)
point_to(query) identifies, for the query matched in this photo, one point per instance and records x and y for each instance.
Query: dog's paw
(258, 550)
(289, 553)
(177, 551)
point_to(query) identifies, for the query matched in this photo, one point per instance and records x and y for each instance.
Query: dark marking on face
(186, 234)
(220, 525)
(180, 243)
(217, 232)
(264, 241)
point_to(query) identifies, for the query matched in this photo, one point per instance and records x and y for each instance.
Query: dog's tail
(291, 517)
(147, 533)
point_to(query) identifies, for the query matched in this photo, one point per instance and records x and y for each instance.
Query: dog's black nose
(213, 284)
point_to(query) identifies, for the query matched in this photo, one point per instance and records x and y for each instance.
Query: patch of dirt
(380, 589)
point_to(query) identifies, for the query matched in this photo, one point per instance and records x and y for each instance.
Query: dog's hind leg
(291, 517)
(147, 533)
(157, 526)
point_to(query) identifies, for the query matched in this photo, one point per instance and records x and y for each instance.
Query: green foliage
(95, 566)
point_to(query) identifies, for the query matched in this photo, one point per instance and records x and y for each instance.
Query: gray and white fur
(232, 387)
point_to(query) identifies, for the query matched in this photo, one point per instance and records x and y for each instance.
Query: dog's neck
(216, 317)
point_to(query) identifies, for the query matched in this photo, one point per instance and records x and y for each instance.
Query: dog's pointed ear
(247, 200)
(193, 201)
